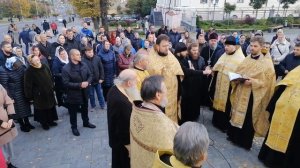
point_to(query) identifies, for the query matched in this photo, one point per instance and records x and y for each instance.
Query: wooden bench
(294, 25)
(274, 29)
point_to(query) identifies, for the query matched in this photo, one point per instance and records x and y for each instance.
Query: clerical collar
(232, 53)
(138, 68)
(255, 57)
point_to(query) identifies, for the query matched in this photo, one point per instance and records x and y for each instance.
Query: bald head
(126, 79)
(7, 38)
(75, 56)
(43, 37)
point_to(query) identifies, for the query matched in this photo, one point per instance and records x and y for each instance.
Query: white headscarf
(57, 55)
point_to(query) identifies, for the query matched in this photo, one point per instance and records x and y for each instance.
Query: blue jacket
(87, 33)
(109, 66)
(24, 36)
(174, 38)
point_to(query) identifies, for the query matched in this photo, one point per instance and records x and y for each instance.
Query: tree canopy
(286, 3)
(228, 8)
(87, 8)
(23, 8)
(142, 7)
(257, 4)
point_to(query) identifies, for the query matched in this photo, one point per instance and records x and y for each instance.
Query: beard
(162, 54)
(8, 52)
(133, 93)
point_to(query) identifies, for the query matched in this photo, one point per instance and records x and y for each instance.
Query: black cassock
(192, 89)
(275, 159)
(243, 137)
(220, 119)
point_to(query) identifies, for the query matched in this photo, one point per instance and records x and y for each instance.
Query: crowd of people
(153, 90)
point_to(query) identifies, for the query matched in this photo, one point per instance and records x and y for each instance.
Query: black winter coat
(72, 44)
(13, 82)
(96, 68)
(39, 87)
(73, 75)
(46, 50)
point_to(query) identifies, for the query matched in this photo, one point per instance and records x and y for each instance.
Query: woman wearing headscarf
(39, 87)
(20, 55)
(61, 42)
(60, 60)
(12, 79)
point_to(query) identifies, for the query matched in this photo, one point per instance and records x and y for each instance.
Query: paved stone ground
(58, 148)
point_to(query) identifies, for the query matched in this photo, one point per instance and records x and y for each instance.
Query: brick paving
(58, 148)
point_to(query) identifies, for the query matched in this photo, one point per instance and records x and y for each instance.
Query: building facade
(183, 12)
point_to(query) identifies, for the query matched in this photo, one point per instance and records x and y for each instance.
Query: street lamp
(277, 15)
(215, 3)
(37, 12)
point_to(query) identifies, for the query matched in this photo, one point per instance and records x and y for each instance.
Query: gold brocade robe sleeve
(141, 76)
(169, 68)
(262, 75)
(149, 131)
(226, 63)
(285, 113)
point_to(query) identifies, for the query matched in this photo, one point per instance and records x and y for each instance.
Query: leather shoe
(75, 132)
(89, 125)
(9, 165)
(52, 124)
(45, 126)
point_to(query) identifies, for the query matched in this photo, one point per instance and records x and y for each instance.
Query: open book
(236, 77)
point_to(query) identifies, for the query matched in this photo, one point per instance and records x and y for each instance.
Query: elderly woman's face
(63, 55)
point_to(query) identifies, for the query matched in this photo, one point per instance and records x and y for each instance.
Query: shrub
(249, 20)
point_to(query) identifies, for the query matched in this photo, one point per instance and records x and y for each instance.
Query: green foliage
(228, 8)
(257, 4)
(286, 3)
(142, 7)
(237, 25)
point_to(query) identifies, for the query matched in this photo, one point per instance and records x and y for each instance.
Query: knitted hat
(180, 47)
(213, 36)
(230, 40)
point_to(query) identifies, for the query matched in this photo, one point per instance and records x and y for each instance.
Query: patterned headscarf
(9, 64)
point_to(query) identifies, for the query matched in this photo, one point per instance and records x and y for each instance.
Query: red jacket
(124, 61)
(2, 160)
(53, 26)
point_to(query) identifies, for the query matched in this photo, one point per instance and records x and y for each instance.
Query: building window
(240, 1)
(203, 1)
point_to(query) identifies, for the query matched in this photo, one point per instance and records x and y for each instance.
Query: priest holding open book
(221, 87)
(250, 96)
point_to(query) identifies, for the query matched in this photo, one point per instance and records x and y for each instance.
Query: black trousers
(105, 91)
(83, 109)
(120, 157)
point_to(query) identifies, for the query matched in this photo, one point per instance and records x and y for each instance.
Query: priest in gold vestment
(140, 64)
(281, 147)
(221, 87)
(250, 97)
(150, 128)
(163, 62)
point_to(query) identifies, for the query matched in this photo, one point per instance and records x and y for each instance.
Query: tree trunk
(103, 13)
(256, 13)
(96, 22)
